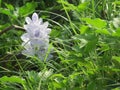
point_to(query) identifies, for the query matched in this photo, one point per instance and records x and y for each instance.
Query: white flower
(36, 38)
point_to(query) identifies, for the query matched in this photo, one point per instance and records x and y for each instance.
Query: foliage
(85, 39)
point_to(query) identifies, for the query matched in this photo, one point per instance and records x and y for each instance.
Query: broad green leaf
(95, 23)
(27, 9)
(83, 29)
(67, 5)
(9, 6)
(88, 41)
(116, 33)
(12, 79)
(82, 6)
(103, 31)
(91, 44)
(5, 11)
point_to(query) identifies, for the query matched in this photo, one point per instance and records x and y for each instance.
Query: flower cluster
(36, 38)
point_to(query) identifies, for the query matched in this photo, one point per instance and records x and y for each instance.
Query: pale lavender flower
(36, 38)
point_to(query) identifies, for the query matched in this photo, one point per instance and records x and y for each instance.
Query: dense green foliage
(85, 40)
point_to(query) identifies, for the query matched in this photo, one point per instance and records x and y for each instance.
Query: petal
(34, 17)
(25, 37)
(28, 53)
(25, 27)
(28, 20)
(27, 45)
(40, 21)
(48, 30)
(45, 24)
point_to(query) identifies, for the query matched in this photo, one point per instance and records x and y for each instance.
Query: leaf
(96, 23)
(67, 5)
(116, 58)
(104, 47)
(57, 75)
(9, 6)
(91, 86)
(0, 2)
(91, 45)
(5, 11)
(116, 2)
(27, 9)
(117, 33)
(82, 6)
(83, 29)
(118, 88)
(103, 31)
(12, 79)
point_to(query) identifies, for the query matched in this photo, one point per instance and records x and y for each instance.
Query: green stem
(93, 8)
(71, 24)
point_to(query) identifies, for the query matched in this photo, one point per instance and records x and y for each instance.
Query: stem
(71, 24)
(11, 27)
(93, 8)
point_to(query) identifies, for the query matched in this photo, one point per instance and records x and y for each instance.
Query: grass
(85, 46)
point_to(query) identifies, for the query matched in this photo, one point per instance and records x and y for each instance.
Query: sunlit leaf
(82, 6)
(96, 23)
(12, 79)
(116, 33)
(83, 29)
(103, 31)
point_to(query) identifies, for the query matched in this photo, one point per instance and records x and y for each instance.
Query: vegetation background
(85, 38)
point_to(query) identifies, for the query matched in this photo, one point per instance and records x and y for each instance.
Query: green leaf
(9, 6)
(82, 6)
(118, 88)
(5, 11)
(104, 47)
(0, 2)
(117, 33)
(83, 29)
(57, 75)
(91, 86)
(116, 58)
(90, 45)
(12, 79)
(82, 40)
(103, 31)
(96, 23)
(27, 9)
(116, 2)
(67, 5)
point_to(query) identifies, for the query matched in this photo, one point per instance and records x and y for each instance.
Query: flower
(36, 38)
